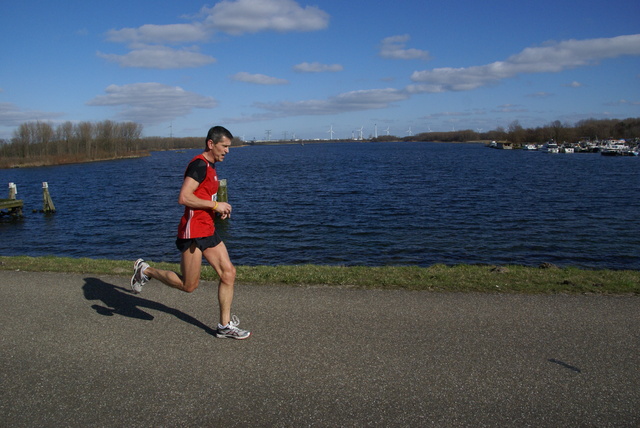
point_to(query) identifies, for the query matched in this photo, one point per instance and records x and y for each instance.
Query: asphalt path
(81, 350)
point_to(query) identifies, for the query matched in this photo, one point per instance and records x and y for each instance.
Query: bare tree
(516, 132)
(84, 134)
(64, 137)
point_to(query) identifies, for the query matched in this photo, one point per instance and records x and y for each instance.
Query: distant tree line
(592, 129)
(41, 143)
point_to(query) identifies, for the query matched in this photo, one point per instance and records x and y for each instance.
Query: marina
(610, 147)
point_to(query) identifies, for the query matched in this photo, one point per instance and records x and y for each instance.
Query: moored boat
(551, 147)
(567, 149)
(615, 148)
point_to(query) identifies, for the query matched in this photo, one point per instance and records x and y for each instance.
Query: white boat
(530, 147)
(551, 147)
(615, 148)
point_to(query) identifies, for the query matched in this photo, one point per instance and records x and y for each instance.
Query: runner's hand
(224, 209)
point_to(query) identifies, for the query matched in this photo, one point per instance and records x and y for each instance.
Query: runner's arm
(190, 200)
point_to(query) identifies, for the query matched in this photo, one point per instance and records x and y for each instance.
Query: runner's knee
(190, 286)
(228, 275)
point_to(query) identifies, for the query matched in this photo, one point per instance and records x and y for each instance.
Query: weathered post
(47, 203)
(13, 190)
(12, 205)
(223, 196)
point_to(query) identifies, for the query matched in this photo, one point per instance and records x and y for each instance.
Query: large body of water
(348, 204)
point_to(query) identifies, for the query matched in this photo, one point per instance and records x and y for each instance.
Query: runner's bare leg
(218, 258)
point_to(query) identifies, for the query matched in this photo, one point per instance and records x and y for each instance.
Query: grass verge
(458, 278)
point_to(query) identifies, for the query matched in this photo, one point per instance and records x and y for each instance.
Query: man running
(197, 236)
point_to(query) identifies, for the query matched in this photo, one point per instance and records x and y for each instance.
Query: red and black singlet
(199, 223)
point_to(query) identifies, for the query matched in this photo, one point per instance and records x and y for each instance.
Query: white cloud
(150, 33)
(574, 84)
(316, 67)
(151, 103)
(623, 102)
(252, 16)
(148, 42)
(12, 115)
(160, 57)
(547, 59)
(346, 102)
(541, 94)
(394, 48)
(258, 79)
(510, 108)
(445, 114)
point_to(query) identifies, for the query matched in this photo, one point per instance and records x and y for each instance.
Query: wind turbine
(376, 131)
(387, 130)
(330, 131)
(361, 128)
(409, 132)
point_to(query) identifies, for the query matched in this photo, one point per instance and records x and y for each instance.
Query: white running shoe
(232, 331)
(139, 279)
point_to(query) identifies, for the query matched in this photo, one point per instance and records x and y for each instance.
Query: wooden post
(223, 196)
(12, 205)
(47, 203)
(13, 190)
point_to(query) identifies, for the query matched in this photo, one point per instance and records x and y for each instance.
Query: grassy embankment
(459, 278)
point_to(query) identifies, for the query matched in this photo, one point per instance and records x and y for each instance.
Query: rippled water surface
(349, 204)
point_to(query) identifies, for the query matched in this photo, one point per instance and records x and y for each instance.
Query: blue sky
(300, 68)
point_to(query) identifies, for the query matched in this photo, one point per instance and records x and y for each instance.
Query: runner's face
(220, 149)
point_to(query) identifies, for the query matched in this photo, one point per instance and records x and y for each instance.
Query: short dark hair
(216, 134)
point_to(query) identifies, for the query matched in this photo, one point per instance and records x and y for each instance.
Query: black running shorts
(201, 243)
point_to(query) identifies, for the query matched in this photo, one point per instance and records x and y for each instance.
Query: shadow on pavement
(119, 301)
